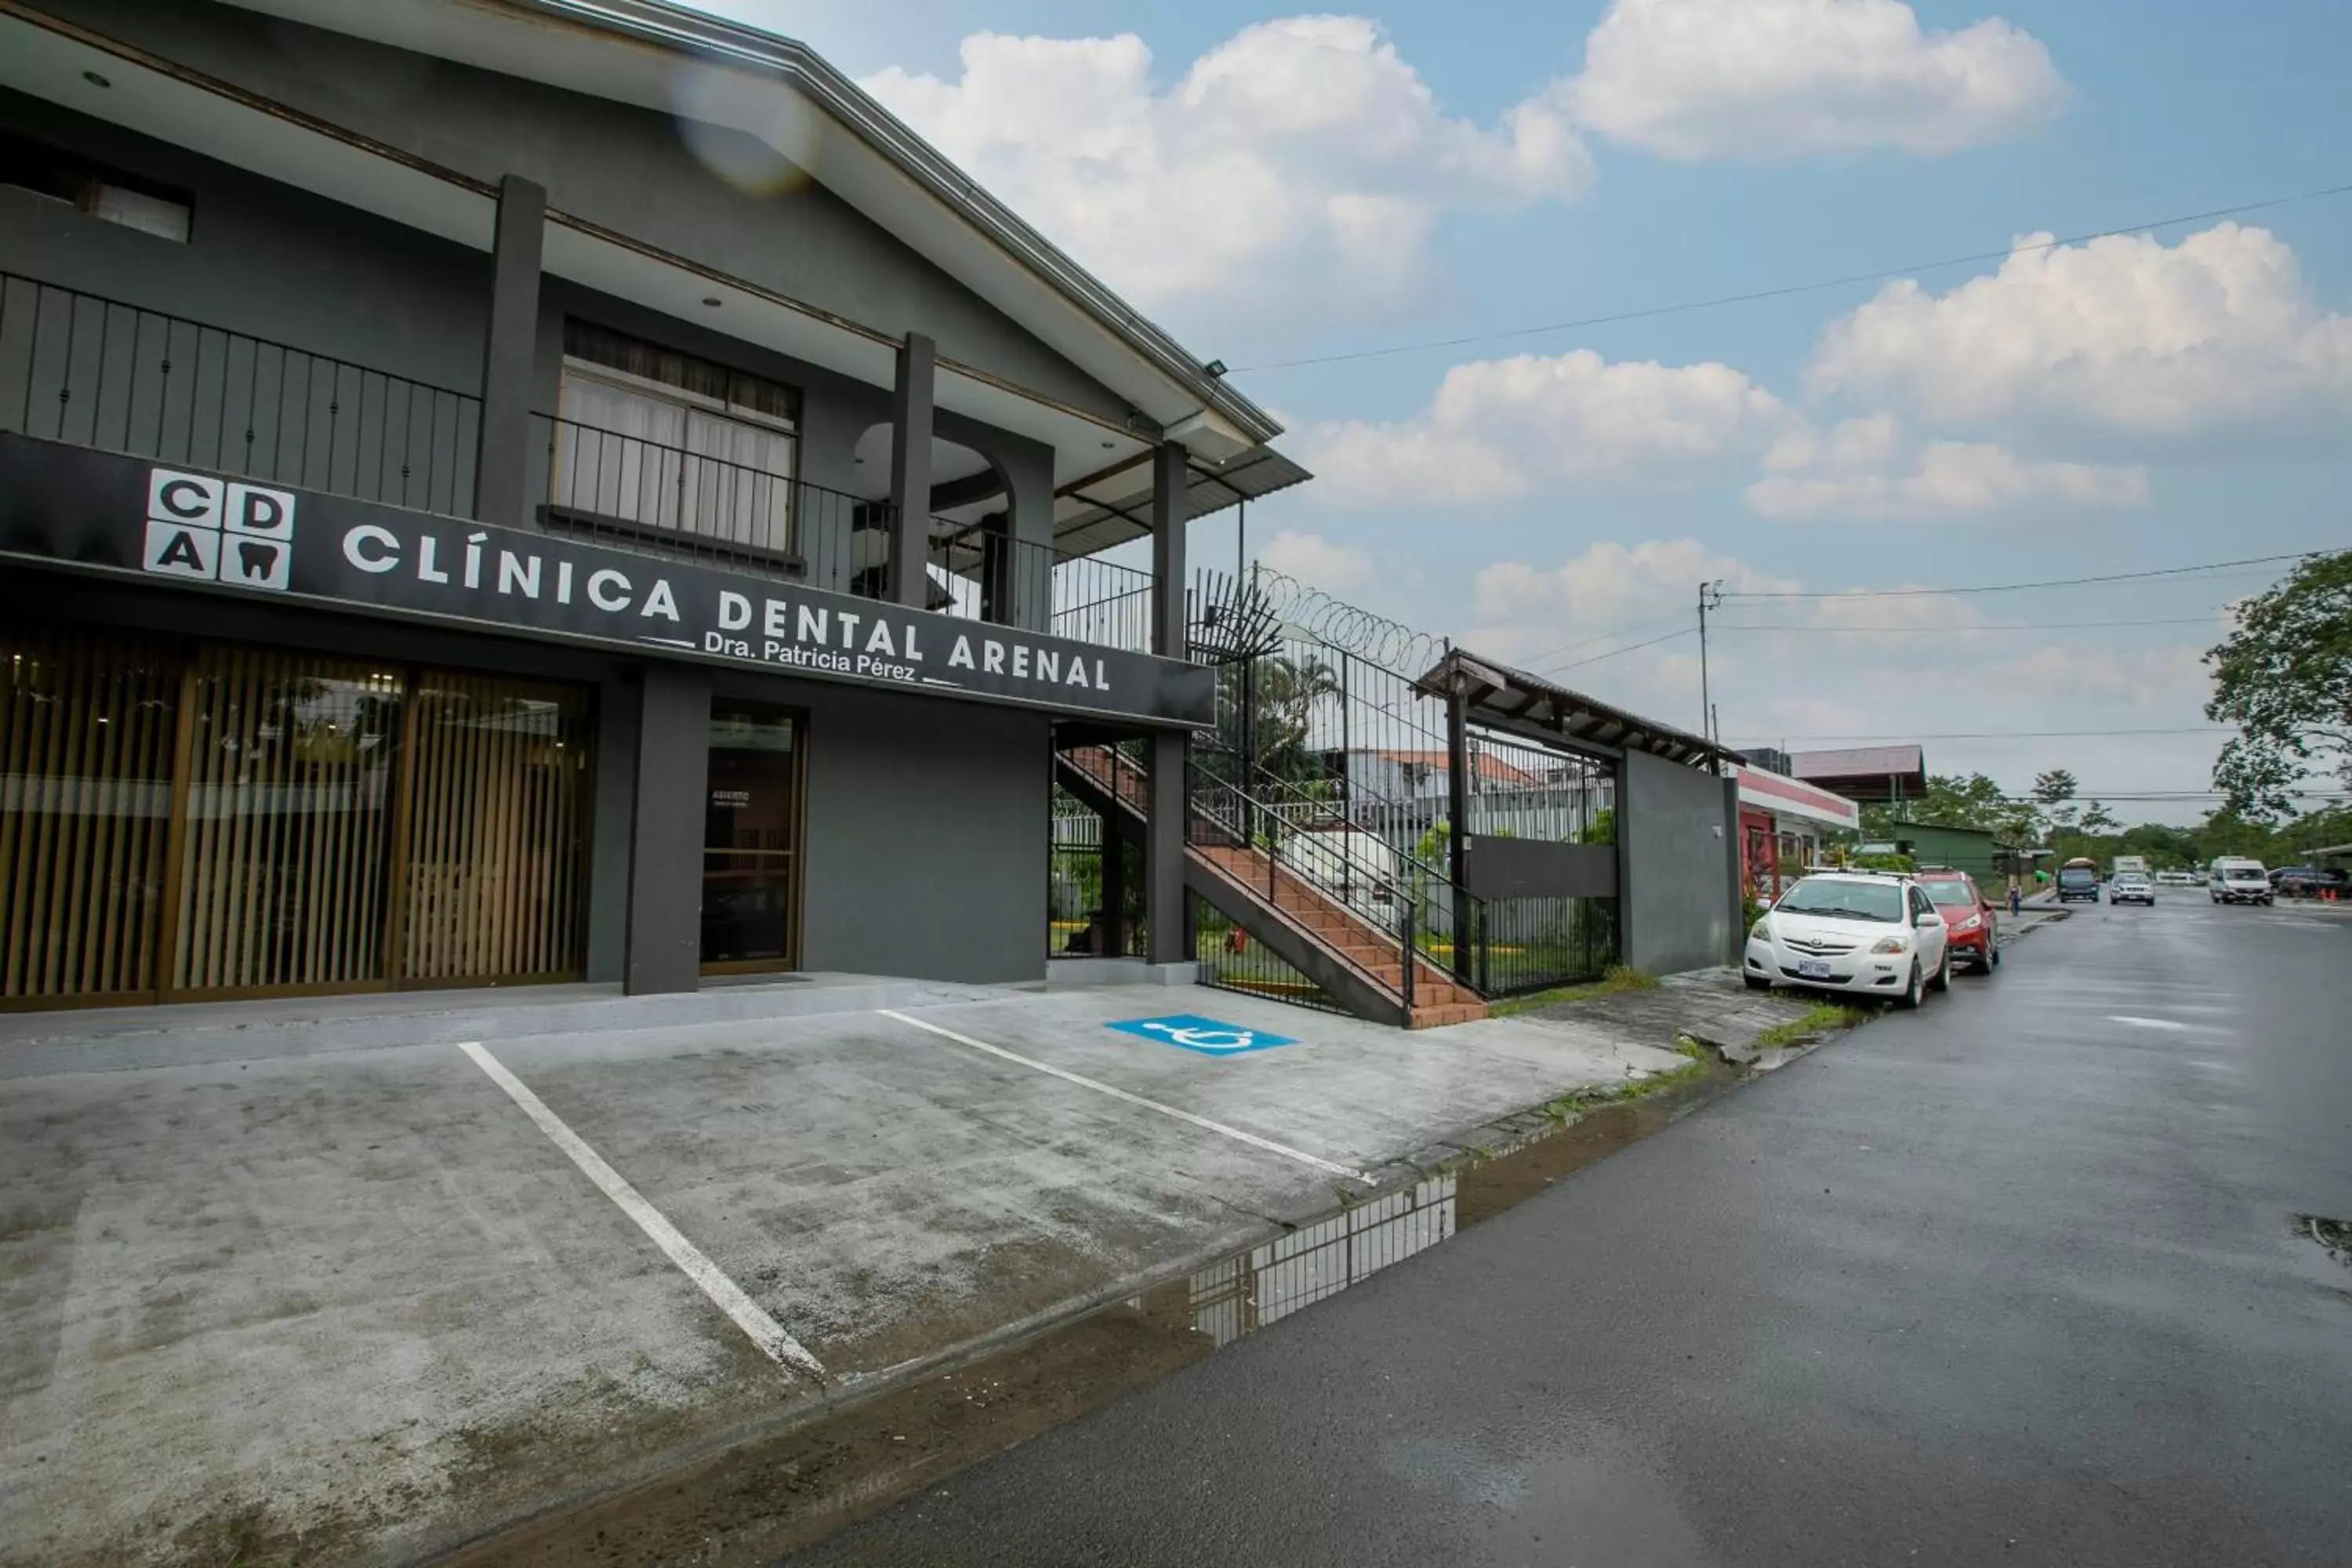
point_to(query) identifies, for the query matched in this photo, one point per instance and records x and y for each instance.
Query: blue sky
(1476, 167)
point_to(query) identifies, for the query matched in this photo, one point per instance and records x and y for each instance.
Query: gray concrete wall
(261, 259)
(275, 263)
(926, 822)
(629, 169)
(1676, 847)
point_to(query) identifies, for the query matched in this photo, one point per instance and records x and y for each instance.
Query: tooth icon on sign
(256, 561)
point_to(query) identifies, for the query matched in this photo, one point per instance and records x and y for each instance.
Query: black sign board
(100, 509)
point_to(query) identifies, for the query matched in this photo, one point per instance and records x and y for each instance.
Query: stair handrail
(1401, 892)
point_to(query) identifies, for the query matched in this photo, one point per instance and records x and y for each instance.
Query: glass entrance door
(751, 841)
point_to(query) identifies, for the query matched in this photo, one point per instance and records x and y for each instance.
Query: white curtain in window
(619, 453)
(743, 493)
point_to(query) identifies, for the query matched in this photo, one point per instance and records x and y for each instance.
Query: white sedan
(1872, 933)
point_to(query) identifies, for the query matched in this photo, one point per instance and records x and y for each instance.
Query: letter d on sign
(734, 611)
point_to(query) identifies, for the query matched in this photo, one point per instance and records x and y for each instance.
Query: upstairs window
(55, 175)
(663, 439)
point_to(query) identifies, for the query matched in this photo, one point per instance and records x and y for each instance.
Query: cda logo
(218, 530)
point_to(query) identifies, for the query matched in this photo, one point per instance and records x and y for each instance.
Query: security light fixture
(95, 79)
(711, 300)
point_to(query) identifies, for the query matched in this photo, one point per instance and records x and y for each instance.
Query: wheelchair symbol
(1204, 1039)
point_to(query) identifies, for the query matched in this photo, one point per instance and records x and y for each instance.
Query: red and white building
(1782, 823)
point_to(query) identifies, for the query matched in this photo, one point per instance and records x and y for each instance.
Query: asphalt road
(2010, 1280)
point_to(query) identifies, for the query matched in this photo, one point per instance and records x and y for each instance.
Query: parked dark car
(2312, 881)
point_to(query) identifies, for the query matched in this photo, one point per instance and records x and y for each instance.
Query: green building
(1976, 851)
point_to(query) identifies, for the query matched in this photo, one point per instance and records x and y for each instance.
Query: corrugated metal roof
(1501, 697)
(1860, 761)
(1115, 506)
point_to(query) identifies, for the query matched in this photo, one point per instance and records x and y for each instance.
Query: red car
(1969, 918)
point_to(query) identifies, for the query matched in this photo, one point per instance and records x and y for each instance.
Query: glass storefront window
(751, 840)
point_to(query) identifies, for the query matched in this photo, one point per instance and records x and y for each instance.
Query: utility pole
(1710, 597)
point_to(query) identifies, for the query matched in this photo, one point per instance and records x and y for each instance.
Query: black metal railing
(93, 372)
(985, 574)
(1496, 947)
(646, 495)
(1079, 920)
(1518, 945)
(1231, 959)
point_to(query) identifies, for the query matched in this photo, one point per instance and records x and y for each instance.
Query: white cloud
(1805, 670)
(2125, 334)
(1867, 468)
(1778, 79)
(1502, 429)
(1607, 585)
(1301, 161)
(1316, 560)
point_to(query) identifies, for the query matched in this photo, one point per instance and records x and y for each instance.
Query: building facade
(495, 492)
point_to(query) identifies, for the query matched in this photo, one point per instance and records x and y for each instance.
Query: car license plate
(1811, 969)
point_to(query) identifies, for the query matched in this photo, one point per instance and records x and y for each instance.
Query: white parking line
(1252, 1139)
(765, 1331)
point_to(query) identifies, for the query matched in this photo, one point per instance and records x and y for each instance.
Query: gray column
(665, 938)
(619, 707)
(502, 469)
(1113, 884)
(910, 469)
(1163, 845)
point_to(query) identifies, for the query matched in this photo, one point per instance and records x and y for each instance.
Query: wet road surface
(2019, 1279)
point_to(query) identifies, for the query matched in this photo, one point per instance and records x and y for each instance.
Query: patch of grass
(1570, 1106)
(1622, 978)
(1685, 1046)
(1818, 1019)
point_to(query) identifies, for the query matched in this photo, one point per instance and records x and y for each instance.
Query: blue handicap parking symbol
(1206, 1036)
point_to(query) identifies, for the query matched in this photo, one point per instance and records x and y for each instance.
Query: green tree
(2053, 791)
(2097, 818)
(1953, 801)
(2285, 678)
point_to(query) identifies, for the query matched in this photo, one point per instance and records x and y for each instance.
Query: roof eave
(657, 22)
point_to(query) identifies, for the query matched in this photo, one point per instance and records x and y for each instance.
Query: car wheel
(1992, 955)
(1754, 984)
(1914, 992)
(1942, 980)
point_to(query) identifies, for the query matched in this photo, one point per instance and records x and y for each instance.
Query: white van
(2233, 881)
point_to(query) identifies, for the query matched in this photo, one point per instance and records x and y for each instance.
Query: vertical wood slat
(78, 802)
(492, 828)
(281, 864)
(432, 833)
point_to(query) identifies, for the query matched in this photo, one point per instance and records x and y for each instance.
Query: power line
(1785, 291)
(1999, 736)
(2020, 587)
(1604, 636)
(1612, 653)
(2205, 620)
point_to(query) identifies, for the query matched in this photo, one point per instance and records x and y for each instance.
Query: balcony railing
(626, 490)
(94, 372)
(83, 369)
(991, 576)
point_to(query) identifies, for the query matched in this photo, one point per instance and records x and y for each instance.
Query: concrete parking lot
(264, 1289)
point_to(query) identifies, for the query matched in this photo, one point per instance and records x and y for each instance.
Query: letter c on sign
(596, 581)
(383, 557)
(184, 499)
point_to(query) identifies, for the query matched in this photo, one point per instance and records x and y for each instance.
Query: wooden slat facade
(183, 821)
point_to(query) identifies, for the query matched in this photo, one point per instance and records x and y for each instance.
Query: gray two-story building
(505, 491)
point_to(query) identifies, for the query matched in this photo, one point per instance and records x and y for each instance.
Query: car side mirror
(1929, 919)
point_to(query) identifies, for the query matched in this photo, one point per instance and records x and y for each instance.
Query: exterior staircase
(1342, 949)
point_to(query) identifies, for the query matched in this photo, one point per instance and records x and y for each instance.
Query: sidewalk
(266, 1293)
